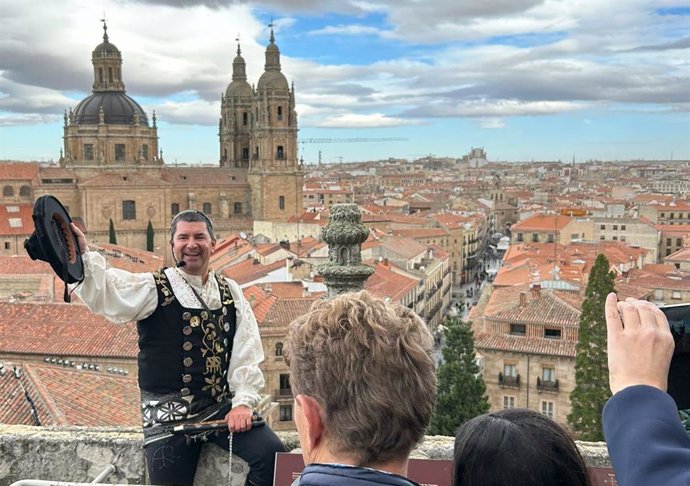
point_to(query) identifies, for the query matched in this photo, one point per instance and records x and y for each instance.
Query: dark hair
(191, 216)
(516, 447)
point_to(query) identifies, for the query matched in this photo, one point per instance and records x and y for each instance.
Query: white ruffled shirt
(121, 296)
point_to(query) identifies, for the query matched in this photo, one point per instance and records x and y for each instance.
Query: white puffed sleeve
(118, 295)
(244, 376)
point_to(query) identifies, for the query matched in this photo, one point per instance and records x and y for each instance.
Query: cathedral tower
(275, 174)
(109, 128)
(236, 117)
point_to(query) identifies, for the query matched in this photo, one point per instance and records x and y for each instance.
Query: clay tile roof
(284, 311)
(546, 309)
(16, 409)
(421, 232)
(522, 344)
(63, 330)
(18, 171)
(123, 181)
(542, 222)
(386, 283)
(101, 400)
(204, 176)
(248, 271)
(130, 259)
(285, 290)
(15, 219)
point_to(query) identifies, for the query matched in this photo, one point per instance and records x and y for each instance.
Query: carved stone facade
(112, 168)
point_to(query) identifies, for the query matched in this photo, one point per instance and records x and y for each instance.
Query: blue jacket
(647, 443)
(341, 475)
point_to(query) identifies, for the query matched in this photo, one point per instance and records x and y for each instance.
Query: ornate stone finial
(101, 115)
(273, 38)
(344, 234)
(65, 117)
(155, 118)
(105, 29)
(239, 51)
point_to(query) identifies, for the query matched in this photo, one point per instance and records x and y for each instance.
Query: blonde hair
(368, 363)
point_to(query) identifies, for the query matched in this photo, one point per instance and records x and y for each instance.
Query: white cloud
(372, 120)
(492, 123)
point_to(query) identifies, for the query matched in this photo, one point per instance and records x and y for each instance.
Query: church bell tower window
(280, 113)
(119, 151)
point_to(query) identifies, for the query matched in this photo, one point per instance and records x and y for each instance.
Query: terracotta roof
(204, 176)
(284, 290)
(130, 259)
(124, 180)
(384, 282)
(421, 232)
(18, 171)
(63, 330)
(542, 222)
(16, 220)
(548, 308)
(284, 311)
(248, 271)
(101, 400)
(260, 301)
(682, 255)
(523, 344)
(15, 408)
(674, 229)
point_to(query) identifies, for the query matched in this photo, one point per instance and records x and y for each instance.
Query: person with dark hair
(647, 442)
(363, 377)
(199, 352)
(516, 447)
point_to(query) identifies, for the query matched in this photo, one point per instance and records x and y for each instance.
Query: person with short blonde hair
(364, 383)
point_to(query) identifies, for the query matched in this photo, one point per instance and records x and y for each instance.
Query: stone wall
(79, 454)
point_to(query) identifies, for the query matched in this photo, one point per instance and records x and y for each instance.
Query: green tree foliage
(591, 366)
(149, 237)
(461, 388)
(113, 236)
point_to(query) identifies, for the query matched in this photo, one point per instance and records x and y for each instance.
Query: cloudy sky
(525, 79)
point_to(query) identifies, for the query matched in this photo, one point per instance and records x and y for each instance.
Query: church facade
(112, 169)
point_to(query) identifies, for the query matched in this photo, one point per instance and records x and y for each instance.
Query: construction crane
(349, 140)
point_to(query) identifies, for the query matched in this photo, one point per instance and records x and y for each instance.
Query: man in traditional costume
(199, 352)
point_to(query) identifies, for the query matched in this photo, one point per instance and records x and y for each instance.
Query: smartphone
(678, 316)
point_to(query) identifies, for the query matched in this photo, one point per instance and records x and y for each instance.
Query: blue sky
(525, 79)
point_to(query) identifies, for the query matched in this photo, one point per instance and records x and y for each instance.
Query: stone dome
(272, 81)
(106, 49)
(118, 109)
(239, 89)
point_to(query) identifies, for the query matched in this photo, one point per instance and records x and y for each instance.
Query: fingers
(629, 315)
(613, 317)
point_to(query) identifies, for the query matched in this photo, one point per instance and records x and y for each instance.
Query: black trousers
(171, 462)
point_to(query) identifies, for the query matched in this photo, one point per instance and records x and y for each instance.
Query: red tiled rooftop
(16, 220)
(18, 171)
(63, 330)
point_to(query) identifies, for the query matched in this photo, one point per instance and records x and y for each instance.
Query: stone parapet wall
(79, 454)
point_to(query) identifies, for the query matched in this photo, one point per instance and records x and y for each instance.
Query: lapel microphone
(180, 264)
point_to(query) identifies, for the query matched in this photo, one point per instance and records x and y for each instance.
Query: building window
(285, 413)
(145, 151)
(547, 408)
(279, 350)
(676, 295)
(535, 237)
(280, 113)
(280, 153)
(520, 237)
(119, 151)
(281, 202)
(679, 242)
(100, 75)
(245, 153)
(206, 208)
(622, 227)
(602, 237)
(615, 227)
(285, 389)
(574, 236)
(8, 191)
(517, 329)
(174, 208)
(663, 215)
(615, 238)
(548, 374)
(509, 370)
(668, 241)
(88, 151)
(551, 333)
(550, 237)
(129, 210)
(245, 118)
(508, 402)
(670, 216)
(110, 74)
(622, 238)
(25, 191)
(7, 245)
(602, 227)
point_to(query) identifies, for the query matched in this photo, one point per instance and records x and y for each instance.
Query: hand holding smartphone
(678, 316)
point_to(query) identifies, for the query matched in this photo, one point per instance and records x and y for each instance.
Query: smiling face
(193, 245)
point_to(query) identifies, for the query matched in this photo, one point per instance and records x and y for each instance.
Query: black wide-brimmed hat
(54, 242)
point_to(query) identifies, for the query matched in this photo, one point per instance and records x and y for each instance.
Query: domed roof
(105, 48)
(239, 88)
(118, 109)
(272, 80)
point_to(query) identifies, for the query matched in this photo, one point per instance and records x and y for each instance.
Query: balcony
(509, 381)
(547, 385)
(283, 393)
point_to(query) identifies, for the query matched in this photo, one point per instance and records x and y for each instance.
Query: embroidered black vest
(186, 351)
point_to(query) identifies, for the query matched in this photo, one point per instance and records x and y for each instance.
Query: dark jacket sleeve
(647, 443)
